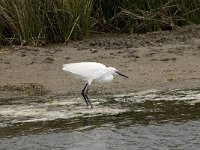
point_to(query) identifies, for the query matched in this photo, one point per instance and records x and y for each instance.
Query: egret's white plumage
(90, 71)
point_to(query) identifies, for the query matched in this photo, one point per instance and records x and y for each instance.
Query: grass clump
(74, 19)
(37, 22)
(22, 22)
(146, 16)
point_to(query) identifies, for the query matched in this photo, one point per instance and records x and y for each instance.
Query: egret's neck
(111, 70)
(107, 78)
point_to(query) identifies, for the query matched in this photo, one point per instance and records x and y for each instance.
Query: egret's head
(115, 71)
(111, 70)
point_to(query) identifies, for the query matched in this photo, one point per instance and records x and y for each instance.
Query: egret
(89, 71)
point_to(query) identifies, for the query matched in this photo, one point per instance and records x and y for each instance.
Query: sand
(167, 59)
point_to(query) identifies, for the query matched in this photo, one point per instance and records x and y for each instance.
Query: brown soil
(169, 59)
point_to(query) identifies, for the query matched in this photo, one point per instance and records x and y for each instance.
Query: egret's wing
(86, 70)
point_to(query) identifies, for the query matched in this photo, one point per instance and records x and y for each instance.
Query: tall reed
(37, 22)
(74, 18)
(151, 15)
(21, 20)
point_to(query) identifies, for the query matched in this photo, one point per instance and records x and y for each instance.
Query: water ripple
(57, 113)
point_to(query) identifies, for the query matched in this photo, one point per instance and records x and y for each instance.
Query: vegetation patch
(38, 22)
(31, 89)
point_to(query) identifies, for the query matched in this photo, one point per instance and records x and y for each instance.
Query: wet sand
(158, 60)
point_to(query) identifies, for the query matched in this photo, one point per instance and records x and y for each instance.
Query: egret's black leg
(86, 95)
(83, 94)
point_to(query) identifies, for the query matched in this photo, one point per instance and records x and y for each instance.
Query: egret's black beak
(121, 74)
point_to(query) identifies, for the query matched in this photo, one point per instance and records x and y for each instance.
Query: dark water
(151, 119)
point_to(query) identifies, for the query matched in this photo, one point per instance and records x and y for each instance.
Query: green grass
(36, 22)
(39, 22)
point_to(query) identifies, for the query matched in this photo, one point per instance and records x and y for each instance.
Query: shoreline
(157, 60)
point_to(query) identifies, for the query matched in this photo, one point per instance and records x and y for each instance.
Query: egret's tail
(71, 67)
(67, 67)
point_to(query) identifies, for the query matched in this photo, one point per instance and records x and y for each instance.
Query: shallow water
(150, 119)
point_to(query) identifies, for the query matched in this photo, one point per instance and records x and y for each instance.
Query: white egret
(89, 71)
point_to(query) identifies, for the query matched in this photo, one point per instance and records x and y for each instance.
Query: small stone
(168, 59)
(6, 62)
(22, 54)
(67, 58)
(92, 43)
(30, 63)
(48, 60)
(94, 51)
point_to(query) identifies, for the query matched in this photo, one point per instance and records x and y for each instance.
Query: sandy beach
(167, 59)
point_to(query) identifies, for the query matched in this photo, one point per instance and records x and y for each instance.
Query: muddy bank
(169, 59)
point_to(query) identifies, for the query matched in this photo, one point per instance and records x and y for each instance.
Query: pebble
(48, 60)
